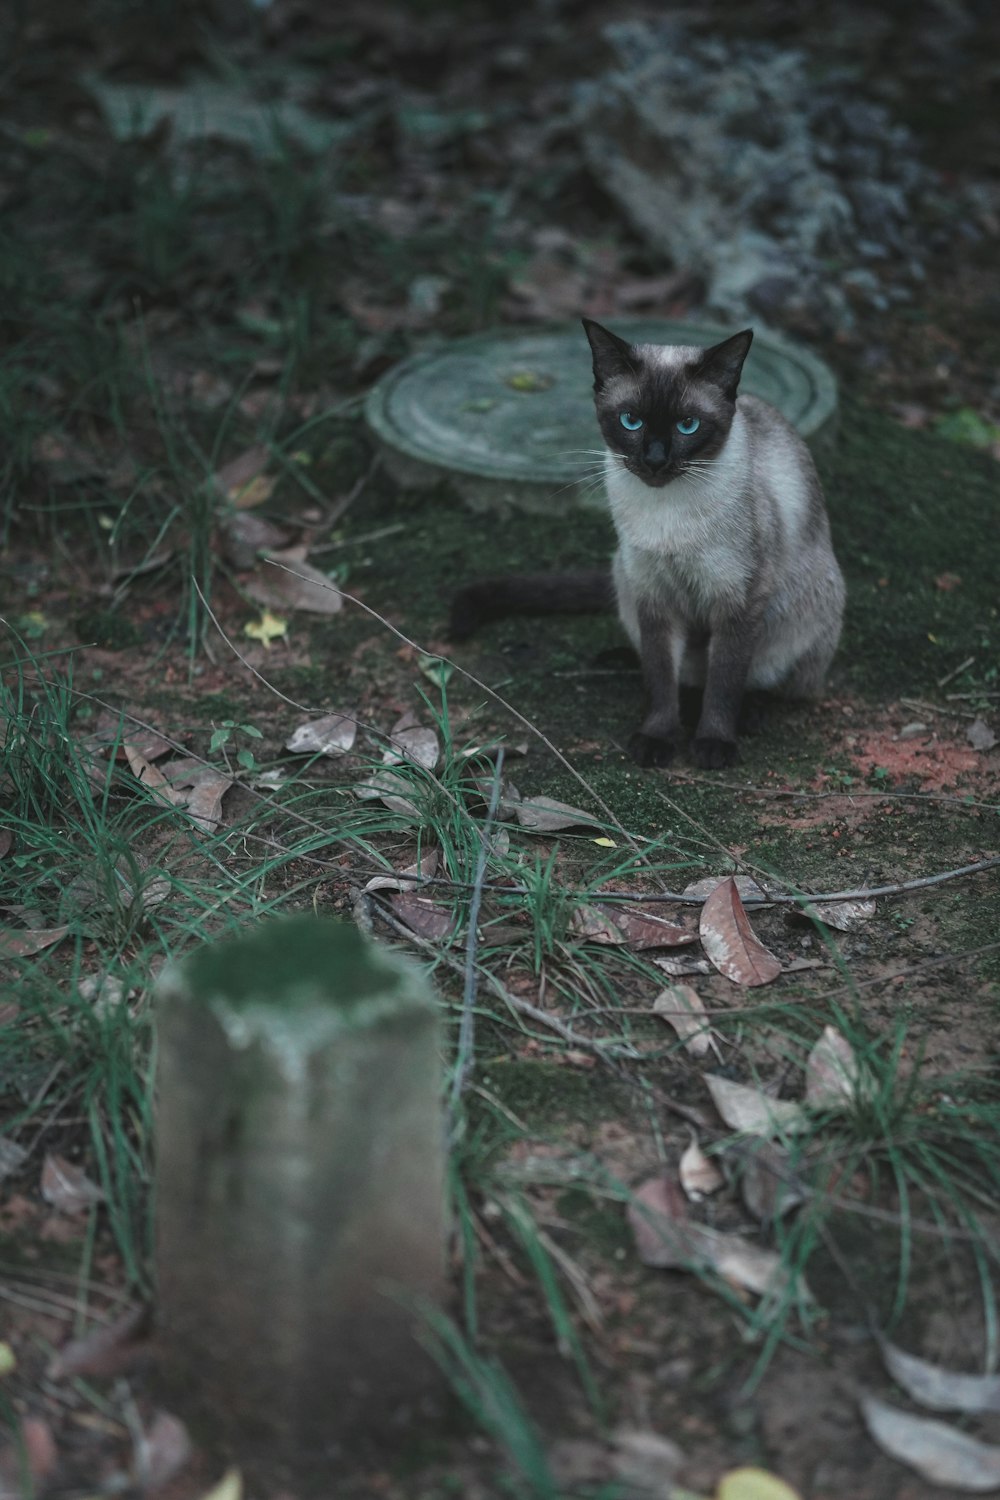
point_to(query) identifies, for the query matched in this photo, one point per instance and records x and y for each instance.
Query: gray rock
(728, 157)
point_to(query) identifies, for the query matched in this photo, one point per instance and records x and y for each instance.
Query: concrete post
(299, 1185)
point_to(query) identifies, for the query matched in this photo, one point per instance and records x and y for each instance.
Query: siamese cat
(725, 576)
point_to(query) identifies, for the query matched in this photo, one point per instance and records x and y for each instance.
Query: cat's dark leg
(730, 653)
(755, 710)
(654, 742)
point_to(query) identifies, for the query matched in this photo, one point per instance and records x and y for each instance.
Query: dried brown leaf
(682, 1008)
(294, 584)
(729, 940)
(22, 942)
(163, 1450)
(546, 815)
(233, 478)
(665, 1237)
(39, 1448)
(646, 929)
(394, 792)
(658, 1216)
(12, 1157)
(753, 1112)
(683, 965)
(107, 1349)
(594, 924)
(423, 916)
(942, 1454)
(845, 916)
(769, 1184)
(197, 788)
(244, 536)
(834, 1078)
(333, 734)
(414, 743)
(699, 1174)
(143, 770)
(67, 1187)
(645, 1461)
(408, 879)
(940, 1389)
(112, 729)
(749, 890)
(980, 736)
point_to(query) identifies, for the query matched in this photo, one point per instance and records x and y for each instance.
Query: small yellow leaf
(229, 1487)
(8, 1360)
(267, 629)
(254, 492)
(605, 843)
(754, 1484)
(529, 380)
(933, 639)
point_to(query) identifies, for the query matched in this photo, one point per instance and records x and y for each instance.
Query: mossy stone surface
(509, 414)
(292, 967)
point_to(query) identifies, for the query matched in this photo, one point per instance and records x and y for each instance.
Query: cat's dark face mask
(664, 421)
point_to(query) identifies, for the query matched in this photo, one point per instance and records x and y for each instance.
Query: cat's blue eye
(687, 425)
(630, 421)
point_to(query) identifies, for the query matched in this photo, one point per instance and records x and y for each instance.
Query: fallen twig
(848, 794)
(466, 1029)
(955, 671)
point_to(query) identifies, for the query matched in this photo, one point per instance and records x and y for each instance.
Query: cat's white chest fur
(686, 539)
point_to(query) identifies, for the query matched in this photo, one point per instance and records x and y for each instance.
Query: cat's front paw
(650, 749)
(714, 755)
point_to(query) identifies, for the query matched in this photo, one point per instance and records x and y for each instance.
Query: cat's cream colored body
(739, 537)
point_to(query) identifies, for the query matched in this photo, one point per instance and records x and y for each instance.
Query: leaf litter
(333, 735)
(940, 1389)
(681, 1007)
(294, 584)
(66, 1187)
(546, 814)
(699, 1175)
(600, 923)
(185, 783)
(834, 1077)
(769, 1183)
(845, 916)
(22, 942)
(667, 1239)
(751, 1111)
(105, 1349)
(729, 940)
(412, 743)
(941, 1454)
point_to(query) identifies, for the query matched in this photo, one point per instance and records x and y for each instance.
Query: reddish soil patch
(936, 761)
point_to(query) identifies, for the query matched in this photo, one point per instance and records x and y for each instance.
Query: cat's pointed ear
(612, 355)
(723, 363)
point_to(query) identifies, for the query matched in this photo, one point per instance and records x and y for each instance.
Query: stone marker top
(517, 405)
(298, 981)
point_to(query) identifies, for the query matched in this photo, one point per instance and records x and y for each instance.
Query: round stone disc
(509, 416)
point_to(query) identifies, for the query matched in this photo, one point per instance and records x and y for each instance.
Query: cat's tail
(588, 591)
